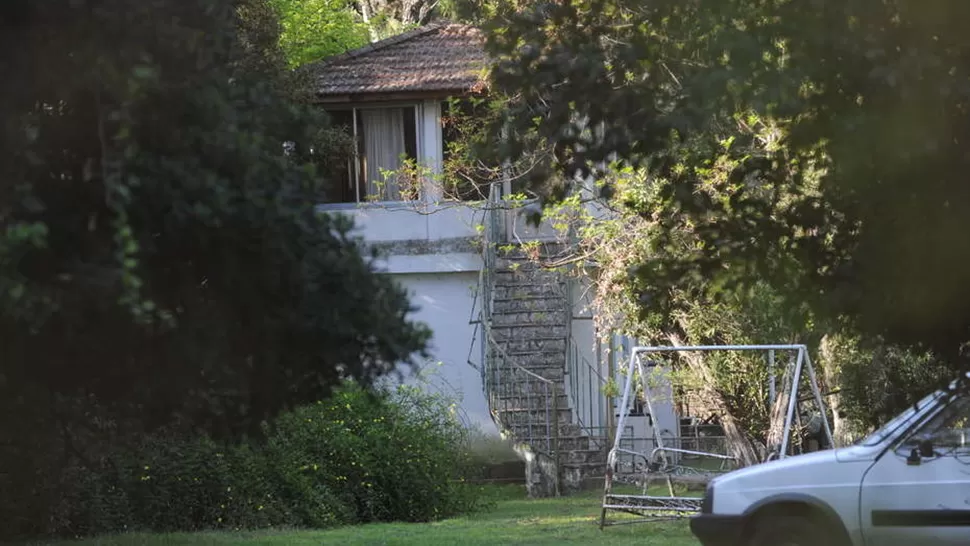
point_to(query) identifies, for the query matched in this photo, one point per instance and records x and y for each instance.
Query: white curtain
(383, 148)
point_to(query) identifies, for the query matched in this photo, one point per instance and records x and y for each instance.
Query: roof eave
(392, 96)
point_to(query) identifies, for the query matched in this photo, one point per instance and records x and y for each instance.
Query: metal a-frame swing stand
(658, 461)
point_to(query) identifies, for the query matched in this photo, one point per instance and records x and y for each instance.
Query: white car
(908, 483)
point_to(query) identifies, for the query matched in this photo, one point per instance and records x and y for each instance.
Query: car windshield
(886, 430)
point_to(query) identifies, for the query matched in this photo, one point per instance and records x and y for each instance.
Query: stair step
(525, 414)
(502, 305)
(503, 294)
(573, 450)
(520, 347)
(527, 333)
(552, 284)
(516, 275)
(528, 305)
(517, 314)
(511, 401)
(536, 287)
(504, 390)
(523, 424)
(531, 285)
(516, 318)
(528, 351)
(552, 372)
(505, 259)
(516, 370)
(586, 464)
(546, 251)
(540, 279)
(584, 457)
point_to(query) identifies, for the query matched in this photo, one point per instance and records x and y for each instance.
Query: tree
(162, 262)
(816, 145)
(315, 29)
(385, 18)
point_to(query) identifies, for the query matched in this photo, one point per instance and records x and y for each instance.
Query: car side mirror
(914, 458)
(922, 450)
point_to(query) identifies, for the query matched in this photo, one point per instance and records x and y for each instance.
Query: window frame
(355, 172)
(918, 431)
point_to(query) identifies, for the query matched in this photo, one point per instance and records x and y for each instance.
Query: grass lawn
(514, 520)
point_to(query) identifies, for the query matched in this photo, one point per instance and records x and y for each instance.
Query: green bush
(357, 457)
(397, 456)
(172, 483)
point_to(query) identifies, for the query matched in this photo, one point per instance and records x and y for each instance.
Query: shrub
(172, 483)
(357, 457)
(389, 456)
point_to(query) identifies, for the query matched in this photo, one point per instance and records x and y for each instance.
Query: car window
(948, 431)
(889, 428)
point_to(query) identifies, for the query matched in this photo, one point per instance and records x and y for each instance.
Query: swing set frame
(658, 461)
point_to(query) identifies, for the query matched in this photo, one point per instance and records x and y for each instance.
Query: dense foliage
(397, 458)
(161, 253)
(162, 263)
(816, 145)
(356, 457)
(315, 29)
(866, 379)
(762, 171)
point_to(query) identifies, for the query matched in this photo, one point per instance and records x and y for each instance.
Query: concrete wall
(585, 373)
(406, 221)
(663, 420)
(445, 305)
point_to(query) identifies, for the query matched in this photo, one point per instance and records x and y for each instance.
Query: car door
(920, 494)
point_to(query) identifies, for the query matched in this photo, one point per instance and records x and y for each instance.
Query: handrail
(522, 403)
(586, 385)
(586, 361)
(485, 276)
(505, 356)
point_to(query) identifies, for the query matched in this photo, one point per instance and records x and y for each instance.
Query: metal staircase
(525, 318)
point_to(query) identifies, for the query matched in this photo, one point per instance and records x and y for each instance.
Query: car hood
(811, 469)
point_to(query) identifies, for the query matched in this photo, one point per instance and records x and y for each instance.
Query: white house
(540, 376)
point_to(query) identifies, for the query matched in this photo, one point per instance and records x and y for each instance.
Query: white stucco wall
(445, 301)
(585, 385)
(664, 419)
(404, 221)
(418, 220)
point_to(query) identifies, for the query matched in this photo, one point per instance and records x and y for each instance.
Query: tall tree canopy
(316, 29)
(820, 145)
(385, 18)
(161, 258)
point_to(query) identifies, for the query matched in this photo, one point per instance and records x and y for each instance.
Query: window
(465, 177)
(385, 137)
(890, 427)
(948, 431)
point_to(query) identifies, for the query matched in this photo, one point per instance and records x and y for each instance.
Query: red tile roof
(442, 57)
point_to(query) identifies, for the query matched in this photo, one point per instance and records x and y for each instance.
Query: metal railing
(586, 395)
(524, 405)
(586, 385)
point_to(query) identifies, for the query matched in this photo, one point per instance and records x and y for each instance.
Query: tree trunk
(365, 15)
(831, 377)
(739, 444)
(779, 410)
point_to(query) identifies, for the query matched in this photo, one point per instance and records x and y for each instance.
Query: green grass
(513, 521)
